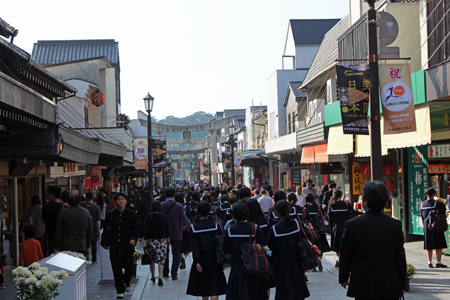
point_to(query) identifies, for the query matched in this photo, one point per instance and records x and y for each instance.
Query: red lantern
(98, 98)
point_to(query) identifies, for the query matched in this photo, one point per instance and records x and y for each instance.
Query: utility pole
(375, 132)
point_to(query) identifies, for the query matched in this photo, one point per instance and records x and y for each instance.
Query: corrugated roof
(311, 31)
(328, 52)
(233, 112)
(60, 51)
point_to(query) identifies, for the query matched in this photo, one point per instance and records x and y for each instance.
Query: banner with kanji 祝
(213, 169)
(397, 98)
(140, 154)
(353, 83)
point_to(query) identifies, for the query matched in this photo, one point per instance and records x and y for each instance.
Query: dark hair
(170, 192)
(332, 184)
(146, 194)
(35, 200)
(155, 206)
(309, 198)
(244, 192)
(239, 186)
(283, 209)
(74, 197)
(240, 211)
(254, 209)
(162, 192)
(324, 189)
(292, 199)
(179, 197)
(29, 231)
(89, 196)
(224, 198)
(233, 192)
(263, 192)
(116, 196)
(376, 194)
(257, 191)
(279, 195)
(213, 194)
(55, 190)
(188, 195)
(207, 198)
(308, 181)
(100, 200)
(430, 193)
(336, 195)
(196, 197)
(203, 209)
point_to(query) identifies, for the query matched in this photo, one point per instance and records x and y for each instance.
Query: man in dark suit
(124, 236)
(372, 250)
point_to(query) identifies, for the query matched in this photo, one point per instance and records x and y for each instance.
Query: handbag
(147, 258)
(107, 232)
(223, 258)
(308, 258)
(254, 257)
(437, 221)
(322, 223)
(309, 227)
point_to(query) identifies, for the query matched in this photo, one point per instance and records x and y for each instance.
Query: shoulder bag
(322, 222)
(308, 257)
(254, 257)
(309, 227)
(107, 231)
(223, 258)
(436, 220)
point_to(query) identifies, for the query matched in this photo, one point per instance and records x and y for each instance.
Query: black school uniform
(273, 218)
(263, 223)
(290, 276)
(211, 281)
(241, 285)
(322, 242)
(224, 212)
(194, 210)
(186, 242)
(433, 239)
(338, 213)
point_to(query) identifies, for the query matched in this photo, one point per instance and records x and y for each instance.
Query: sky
(191, 55)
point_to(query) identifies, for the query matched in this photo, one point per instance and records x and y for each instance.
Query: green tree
(195, 118)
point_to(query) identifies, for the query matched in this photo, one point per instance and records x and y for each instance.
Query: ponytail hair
(283, 208)
(336, 195)
(203, 209)
(430, 193)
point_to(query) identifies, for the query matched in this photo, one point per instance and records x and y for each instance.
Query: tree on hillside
(195, 118)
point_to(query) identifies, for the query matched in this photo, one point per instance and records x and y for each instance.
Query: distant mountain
(196, 118)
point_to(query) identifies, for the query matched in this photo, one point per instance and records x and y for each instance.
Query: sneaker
(119, 296)
(160, 282)
(127, 288)
(441, 265)
(430, 265)
(337, 264)
(320, 267)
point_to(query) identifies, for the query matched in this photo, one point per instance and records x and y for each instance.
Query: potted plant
(35, 283)
(410, 273)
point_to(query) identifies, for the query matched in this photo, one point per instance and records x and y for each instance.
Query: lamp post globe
(148, 101)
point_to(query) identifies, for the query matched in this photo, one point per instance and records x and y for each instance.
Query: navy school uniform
(241, 285)
(273, 218)
(211, 281)
(338, 213)
(433, 239)
(322, 242)
(194, 210)
(290, 276)
(186, 242)
(224, 212)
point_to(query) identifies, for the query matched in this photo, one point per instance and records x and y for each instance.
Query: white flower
(59, 282)
(33, 279)
(54, 274)
(39, 284)
(44, 270)
(38, 273)
(64, 274)
(27, 273)
(31, 286)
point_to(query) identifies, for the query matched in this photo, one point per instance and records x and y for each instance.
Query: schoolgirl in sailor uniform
(241, 285)
(206, 278)
(433, 239)
(194, 203)
(313, 209)
(224, 209)
(282, 240)
(292, 199)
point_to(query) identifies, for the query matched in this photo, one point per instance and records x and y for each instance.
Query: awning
(251, 158)
(307, 155)
(421, 136)
(314, 154)
(338, 142)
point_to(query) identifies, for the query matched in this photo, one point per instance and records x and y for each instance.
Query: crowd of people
(187, 218)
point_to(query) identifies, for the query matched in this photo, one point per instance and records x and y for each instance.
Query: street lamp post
(148, 101)
(232, 128)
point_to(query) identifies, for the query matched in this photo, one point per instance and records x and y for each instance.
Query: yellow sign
(357, 180)
(140, 153)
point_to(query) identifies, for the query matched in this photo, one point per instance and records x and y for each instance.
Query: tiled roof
(294, 86)
(7, 30)
(60, 51)
(311, 31)
(233, 112)
(328, 52)
(258, 108)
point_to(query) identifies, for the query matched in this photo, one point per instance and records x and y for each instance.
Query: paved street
(428, 284)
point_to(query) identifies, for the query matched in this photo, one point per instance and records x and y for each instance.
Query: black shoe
(160, 282)
(337, 264)
(430, 265)
(153, 280)
(306, 278)
(174, 277)
(165, 276)
(441, 265)
(183, 264)
(320, 267)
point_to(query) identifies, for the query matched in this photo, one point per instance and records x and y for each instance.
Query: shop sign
(159, 152)
(202, 169)
(353, 83)
(213, 169)
(169, 171)
(238, 159)
(418, 182)
(227, 161)
(439, 151)
(96, 177)
(439, 168)
(397, 98)
(206, 169)
(357, 180)
(140, 154)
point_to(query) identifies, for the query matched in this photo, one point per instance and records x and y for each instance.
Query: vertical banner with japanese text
(417, 183)
(213, 169)
(237, 159)
(159, 152)
(397, 98)
(227, 161)
(140, 154)
(353, 83)
(202, 168)
(357, 180)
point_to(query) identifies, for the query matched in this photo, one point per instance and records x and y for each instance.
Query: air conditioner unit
(318, 118)
(332, 91)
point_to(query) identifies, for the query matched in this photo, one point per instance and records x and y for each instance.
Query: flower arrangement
(36, 283)
(137, 255)
(410, 270)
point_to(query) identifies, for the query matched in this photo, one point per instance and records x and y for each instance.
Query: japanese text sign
(357, 180)
(140, 154)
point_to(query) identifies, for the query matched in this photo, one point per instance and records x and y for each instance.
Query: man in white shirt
(300, 196)
(309, 189)
(265, 201)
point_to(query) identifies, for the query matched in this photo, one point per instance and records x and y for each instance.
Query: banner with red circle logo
(397, 98)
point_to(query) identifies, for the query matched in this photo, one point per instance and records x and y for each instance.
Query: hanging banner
(357, 180)
(169, 171)
(159, 152)
(213, 169)
(237, 159)
(202, 168)
(353, 83)
(206, 171)
(397, 98)
(227, 161)
(159, 173)
(140, 153)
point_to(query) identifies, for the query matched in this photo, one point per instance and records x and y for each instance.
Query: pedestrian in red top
(30, 250)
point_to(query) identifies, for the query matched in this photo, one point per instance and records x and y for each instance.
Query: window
(293, 121)
(289, 123)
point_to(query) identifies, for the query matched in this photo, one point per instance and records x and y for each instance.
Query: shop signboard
(227, 161)
(296, 178)
(206, 169)
(418, 182)
(353, 83)
(397, 98)
(357, 180)
(202, 169)
(169, 171)
(237, 159)
(439, 151)
(140, 154)
(213, 169)
(159, 152)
